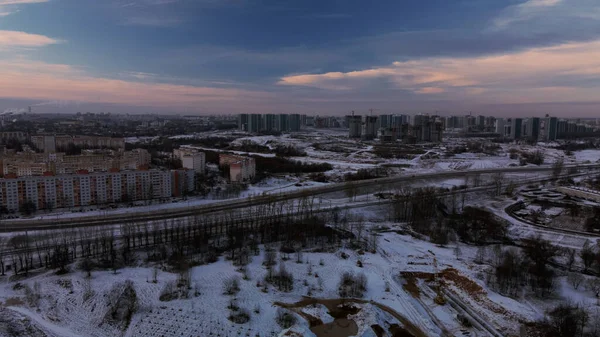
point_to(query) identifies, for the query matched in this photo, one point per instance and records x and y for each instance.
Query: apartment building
(191, 159)
(87, 189)
(241, 169)
(36, 164)
(54, 143)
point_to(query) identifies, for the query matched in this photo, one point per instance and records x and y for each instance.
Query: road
(339, 204)
(233, 204)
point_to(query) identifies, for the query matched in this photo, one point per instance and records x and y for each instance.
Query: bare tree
(498, 179)
(480, 255)
(593, 285)
(557, 168)
(575, 279)
(587, 255)
(570, 255)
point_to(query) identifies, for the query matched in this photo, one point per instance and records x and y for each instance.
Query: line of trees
(180, 243)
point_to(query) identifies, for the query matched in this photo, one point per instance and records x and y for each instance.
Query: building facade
(54, 143)
(241, 169)
(88, 189)
(36, 164)
(369, 126)
(354, 126)
(191, 159)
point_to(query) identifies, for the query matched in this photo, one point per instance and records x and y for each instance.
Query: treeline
(364, 174)
(180, 244)
(441, 215)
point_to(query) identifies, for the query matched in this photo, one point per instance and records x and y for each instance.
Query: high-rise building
(254, 123)
(369, 128)
(354, 125)
(532, 129)
(550, 128)
(295, 123)
(243, 122)
(516, 128)
(480, 122)
(385, 121)
(268, 123)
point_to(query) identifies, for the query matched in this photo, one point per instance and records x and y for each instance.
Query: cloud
(561, 72)
(20, 2)
(430, 90)
(8, 7)
(25, 79)
(549, 16)
(11, 39)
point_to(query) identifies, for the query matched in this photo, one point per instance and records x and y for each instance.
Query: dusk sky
(502, 57)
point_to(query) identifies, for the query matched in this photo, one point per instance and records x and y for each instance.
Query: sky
(495, 57)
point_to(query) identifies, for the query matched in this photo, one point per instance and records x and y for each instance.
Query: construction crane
(438, 282)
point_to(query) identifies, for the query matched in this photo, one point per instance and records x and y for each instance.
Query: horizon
(509, 59)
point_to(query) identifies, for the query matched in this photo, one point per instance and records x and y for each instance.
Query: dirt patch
(340, 327)
(344, 307)
(14, 301)
(411, 286)
(379, 331)
(462, 282)
(312, 320)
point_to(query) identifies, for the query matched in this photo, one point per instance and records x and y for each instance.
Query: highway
(233, 204)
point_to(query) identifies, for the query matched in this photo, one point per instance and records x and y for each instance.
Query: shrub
(285, 318)
(231, 286)
(282, 279)
(122, 304)
(352, 285)
(240, 316)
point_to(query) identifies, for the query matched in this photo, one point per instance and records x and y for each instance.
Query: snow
(64, 312)
(57, 330)
(587, 155)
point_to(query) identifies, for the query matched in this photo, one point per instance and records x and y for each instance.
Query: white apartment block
(241, 169)
(191, 159)
(96, 188)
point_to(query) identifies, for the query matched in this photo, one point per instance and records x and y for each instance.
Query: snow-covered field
(64, 311)
(74, 305)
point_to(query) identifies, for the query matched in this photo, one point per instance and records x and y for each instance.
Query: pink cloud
(430, 90)
(506, 75)
(34, 80)
(10, 39)
(20, 2)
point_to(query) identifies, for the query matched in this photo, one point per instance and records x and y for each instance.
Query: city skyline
(206, 57)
